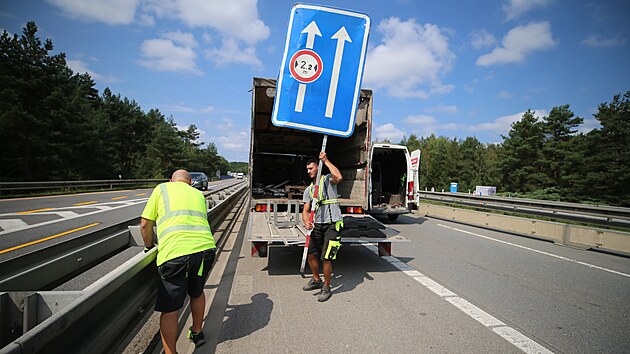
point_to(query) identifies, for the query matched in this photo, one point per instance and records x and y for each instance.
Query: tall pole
(313, 203)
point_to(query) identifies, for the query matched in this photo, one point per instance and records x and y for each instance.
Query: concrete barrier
(560, 233)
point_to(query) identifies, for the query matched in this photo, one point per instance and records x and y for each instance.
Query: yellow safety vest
(182, 220)
(320, 195)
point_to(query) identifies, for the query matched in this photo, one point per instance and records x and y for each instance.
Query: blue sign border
(357, 88)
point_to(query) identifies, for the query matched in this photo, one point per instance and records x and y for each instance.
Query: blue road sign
(320, 78)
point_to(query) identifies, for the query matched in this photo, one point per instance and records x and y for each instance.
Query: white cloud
(427, 125)
(111, 12)
(515, 8)
(502, 125)
(227, 124)
(518, 42)
(442, 108)
(588, 125)
(182, 38)
(482, 38)
(596, 42)
(235, 18)
(421, 119)
(388, 131)
(237, 22)
(146, 20)
(410, 61)
(231, 52)
(79, 67)
(175, 52)
(186, 109)
(504, 94)
(237, 141)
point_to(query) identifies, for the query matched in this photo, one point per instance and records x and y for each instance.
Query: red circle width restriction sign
(306, 66)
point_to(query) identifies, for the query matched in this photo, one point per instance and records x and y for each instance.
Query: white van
(391, 181)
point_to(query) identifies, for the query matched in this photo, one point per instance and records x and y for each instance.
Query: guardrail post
(11, 318)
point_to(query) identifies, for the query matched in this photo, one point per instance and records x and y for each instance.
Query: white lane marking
(506, 332)
(475, 312)
(66, 214)
(8, 224)
(538, 251)
(68, 209)
(519, 340)
(60, 220)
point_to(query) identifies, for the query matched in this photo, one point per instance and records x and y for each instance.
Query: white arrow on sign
(311, 31)
(341, 36)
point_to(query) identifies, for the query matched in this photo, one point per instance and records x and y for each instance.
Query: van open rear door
(415, 168)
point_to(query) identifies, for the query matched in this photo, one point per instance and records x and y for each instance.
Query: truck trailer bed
(284, 228)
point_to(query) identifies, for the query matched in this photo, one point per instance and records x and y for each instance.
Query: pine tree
(559, 128)
(521, 156)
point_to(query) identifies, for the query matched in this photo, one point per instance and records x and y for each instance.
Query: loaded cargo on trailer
(277, 170)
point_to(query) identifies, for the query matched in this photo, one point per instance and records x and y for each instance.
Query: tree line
(540, 159)
(54, 124)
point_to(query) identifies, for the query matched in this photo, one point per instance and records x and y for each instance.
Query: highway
(453, 288)
(29, 224)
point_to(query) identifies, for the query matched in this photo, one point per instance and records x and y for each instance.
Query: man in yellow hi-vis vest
(326, 226)
(186, 251)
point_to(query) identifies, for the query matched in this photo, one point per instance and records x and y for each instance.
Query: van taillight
(262, 207)
(410, 189)
(354, 210)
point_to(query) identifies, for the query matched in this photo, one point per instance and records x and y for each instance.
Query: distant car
(240, 175)
(199, 180)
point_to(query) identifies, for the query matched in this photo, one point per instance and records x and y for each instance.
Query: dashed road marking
(118, 198)
(85, 203)
(100, 209)
(7, 224)
(538, 251)
(33, 211)
(506, 332)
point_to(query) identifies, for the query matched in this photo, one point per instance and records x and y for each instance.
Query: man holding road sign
(325, 226)
(318, 90)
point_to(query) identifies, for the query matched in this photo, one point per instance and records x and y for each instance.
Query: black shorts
(321, 235)
(180, 276)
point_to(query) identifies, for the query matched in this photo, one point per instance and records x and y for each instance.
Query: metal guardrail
(95, 319)
(586, 213)
(45, 185)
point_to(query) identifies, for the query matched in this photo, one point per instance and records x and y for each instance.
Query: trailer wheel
(392, 217)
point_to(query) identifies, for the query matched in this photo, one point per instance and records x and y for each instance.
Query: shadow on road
(257, 313)
(405, 220)
(353, 266)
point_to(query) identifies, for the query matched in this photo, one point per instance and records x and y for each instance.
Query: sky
(450, 68)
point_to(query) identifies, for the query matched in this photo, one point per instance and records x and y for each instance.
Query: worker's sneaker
(197, 338)
(325, 294)
(312, 285)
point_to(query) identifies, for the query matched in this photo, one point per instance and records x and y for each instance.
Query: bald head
(181, 176)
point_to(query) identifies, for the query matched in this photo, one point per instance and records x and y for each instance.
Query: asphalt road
(453, 288)
(29, 224)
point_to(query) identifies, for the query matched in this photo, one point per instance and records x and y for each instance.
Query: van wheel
(392, 217)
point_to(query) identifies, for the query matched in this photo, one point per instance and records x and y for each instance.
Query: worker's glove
(147, 249)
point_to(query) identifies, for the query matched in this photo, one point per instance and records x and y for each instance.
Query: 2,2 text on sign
(320, 77)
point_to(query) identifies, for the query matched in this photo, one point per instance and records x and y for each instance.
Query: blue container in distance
(453, 187)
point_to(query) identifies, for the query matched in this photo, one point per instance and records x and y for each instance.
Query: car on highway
(199, 180)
